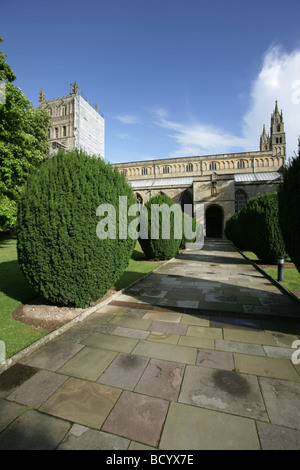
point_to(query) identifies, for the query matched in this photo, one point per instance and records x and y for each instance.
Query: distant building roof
(187, 181)
(267, 176)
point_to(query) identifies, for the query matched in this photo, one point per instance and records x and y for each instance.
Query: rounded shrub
(161, 243)
(289, 210)
(236, 230)
(59, 250)
(256, 228)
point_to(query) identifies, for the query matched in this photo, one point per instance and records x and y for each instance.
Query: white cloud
(278, 79)
(158, 111)
(198, 139)
(128, 118)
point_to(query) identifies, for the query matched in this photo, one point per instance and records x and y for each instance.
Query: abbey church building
(216, 185)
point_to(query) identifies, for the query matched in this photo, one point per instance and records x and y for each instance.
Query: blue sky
(172, 78)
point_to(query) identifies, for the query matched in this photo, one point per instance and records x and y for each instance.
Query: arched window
(240, 200)
(213, 166)
(139, 199)
(241, 164)
(166, 169)
(144, 171)
(189, 167)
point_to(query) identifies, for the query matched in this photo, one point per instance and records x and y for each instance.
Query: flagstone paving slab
(235, 346)
(34, 431)
(124, 371)
(168, 352)
(53, 355)
(15, 376)
(195, 320)
(111, 342)
(129, 322)
(204, 332)
(222, 390)
(166, 327)
(82, 402)
(266, 367)
(278, 437)
(215, 359)
(8, 412)
(82, 438)
(155, 315)
(249, 336)
(143, 423)
(238, 323)
(282, 401)
(89, 363)
(161, 379)
(284, 340)
(187, 427)
(197, 342)
(161, 337)
(276, 351)
(130, 333)
(35, 391)
(111, 310)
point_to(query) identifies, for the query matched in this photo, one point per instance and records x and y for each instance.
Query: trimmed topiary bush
(58, 249)
(236, 230)
(160, 244)
(256, 228)
(289, 210)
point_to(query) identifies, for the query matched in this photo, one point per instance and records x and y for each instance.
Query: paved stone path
(195, 356)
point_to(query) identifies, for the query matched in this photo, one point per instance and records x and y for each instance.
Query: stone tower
(277, 134)
(264, 144)
(75, 123)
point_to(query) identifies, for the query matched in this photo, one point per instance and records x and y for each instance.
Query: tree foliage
(256, 228)
(58, 248)
(289, 209)
(23, 143)
(157, 245)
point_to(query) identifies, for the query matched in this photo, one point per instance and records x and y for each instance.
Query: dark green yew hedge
(58, 249)
(289, 210)
(160, 248)
(256, 228)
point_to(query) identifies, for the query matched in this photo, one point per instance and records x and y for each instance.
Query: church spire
(277, 134)
(74, 88)
(264, 141)
(41, 96)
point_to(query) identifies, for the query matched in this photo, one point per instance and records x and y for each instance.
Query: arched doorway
(214, 222)
(187, 199)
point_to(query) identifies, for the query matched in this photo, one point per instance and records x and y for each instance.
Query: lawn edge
(4, 365)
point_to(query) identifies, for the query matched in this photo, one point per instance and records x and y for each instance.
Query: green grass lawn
(291, 276)
(137, 268)
(15, 290)
(250, 255)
